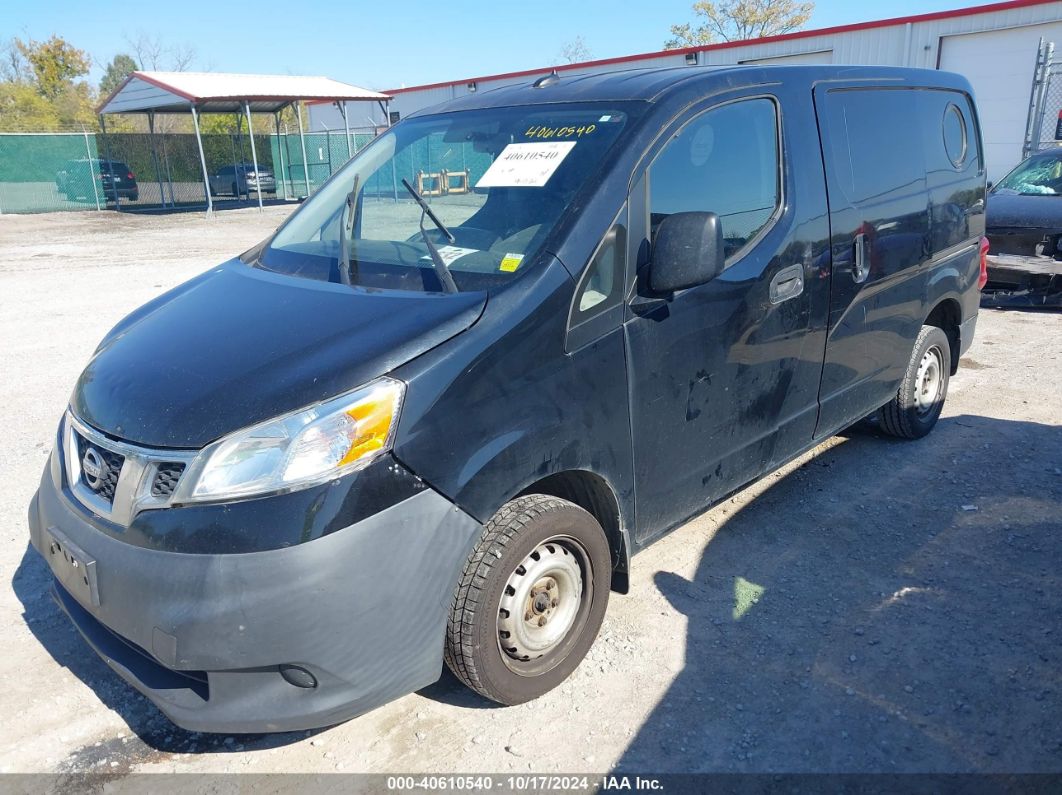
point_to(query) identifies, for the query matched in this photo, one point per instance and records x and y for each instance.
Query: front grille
(110, 465)
(166, 478)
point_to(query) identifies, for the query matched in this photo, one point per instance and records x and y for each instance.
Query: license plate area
(74, 569)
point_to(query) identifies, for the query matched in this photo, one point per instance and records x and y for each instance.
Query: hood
(239, 345)
(1012, 210)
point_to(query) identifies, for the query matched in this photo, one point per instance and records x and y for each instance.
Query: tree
(39, 89)
(13, 67)
(54, 64)
(737, 20)
(151, 54)
(117, 70)
(575, 51)
(22, 108)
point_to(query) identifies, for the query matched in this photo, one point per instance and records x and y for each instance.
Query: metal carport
(216, 92)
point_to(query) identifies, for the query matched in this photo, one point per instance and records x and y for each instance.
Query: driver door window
(725, 161)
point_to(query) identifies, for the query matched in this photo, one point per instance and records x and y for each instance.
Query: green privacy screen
(48, 172)
(44, 172)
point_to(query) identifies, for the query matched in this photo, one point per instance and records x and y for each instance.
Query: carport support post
(280, 154)
(155, 157)
(302, 143)
(202, 161)
(254, 154)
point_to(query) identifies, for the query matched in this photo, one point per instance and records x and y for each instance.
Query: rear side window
(876, 143)
(952, 143)
(724, 161)
(956, 144)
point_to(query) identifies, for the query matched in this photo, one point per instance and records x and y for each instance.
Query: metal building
(995, 46)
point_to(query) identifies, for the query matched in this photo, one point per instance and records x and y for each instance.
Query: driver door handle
(787, 283)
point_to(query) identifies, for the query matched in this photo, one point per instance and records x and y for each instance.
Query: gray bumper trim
(966, 334)
(364, 609)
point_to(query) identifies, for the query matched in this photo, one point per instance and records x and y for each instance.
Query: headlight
(297, 450)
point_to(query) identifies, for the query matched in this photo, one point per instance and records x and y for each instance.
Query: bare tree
(13, 66)
(152, 54)
(182, 57)
(738, 20)
(575, 51)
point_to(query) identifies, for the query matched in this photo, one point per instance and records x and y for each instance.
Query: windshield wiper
(346, 231)
(436, 259)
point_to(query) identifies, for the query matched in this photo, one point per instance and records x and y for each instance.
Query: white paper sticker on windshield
(525, 165)
(449, 254)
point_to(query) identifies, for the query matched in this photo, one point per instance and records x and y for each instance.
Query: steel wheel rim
(542, 602)
(929, 381)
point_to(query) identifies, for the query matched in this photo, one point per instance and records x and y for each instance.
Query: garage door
(999, 64)
(822, 56)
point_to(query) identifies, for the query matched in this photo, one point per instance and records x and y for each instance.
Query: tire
(915, 409)
(547, 539)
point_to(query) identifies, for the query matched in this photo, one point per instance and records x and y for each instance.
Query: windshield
(498, 179)
(1037, 176)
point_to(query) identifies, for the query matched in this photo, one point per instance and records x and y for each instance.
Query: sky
(383, 45)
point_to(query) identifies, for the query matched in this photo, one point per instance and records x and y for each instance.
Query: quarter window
(954, 135)
(602, 283)
(725, 161)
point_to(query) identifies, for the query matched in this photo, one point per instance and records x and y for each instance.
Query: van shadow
(887, 607)
(31, 584)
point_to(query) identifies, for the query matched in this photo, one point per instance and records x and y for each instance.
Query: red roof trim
(141, 76)
(801, 34)
(253, 98)
(166, 86)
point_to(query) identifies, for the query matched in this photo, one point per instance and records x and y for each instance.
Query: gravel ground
(874, 606)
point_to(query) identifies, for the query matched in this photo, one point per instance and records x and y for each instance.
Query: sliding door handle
(861, 266)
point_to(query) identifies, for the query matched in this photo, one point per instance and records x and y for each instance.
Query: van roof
(653, 84)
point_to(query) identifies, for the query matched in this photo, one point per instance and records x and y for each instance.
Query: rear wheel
(916, 407)
(530, 601)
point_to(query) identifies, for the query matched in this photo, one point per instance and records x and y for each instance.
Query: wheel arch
(947, 316)
(595, 495)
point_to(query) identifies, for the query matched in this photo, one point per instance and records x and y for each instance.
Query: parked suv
(113, 178)
(242, 180)
(398, 433)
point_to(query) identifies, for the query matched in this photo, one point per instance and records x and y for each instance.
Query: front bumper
(1023, 281)
(204, 636)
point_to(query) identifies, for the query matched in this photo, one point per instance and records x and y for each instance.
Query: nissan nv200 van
(514, 340)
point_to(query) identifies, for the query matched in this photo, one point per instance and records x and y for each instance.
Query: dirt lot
(876, 606)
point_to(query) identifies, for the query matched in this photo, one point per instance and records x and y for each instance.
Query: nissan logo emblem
(94, 469)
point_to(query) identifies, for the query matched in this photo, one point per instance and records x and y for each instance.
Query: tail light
(982, 279)
(131, 175)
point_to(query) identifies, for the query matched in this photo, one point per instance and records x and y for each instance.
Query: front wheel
(530, 601)
(915, 409)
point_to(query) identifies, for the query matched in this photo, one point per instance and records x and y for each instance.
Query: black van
(514, 340)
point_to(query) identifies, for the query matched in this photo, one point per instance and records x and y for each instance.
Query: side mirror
(989, 185)
(687, 251)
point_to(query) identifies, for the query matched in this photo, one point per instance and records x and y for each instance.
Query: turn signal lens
(298, 450)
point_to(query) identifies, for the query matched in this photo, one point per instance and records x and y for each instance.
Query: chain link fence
(44, 172)
(48, 172)
(1044, 129)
